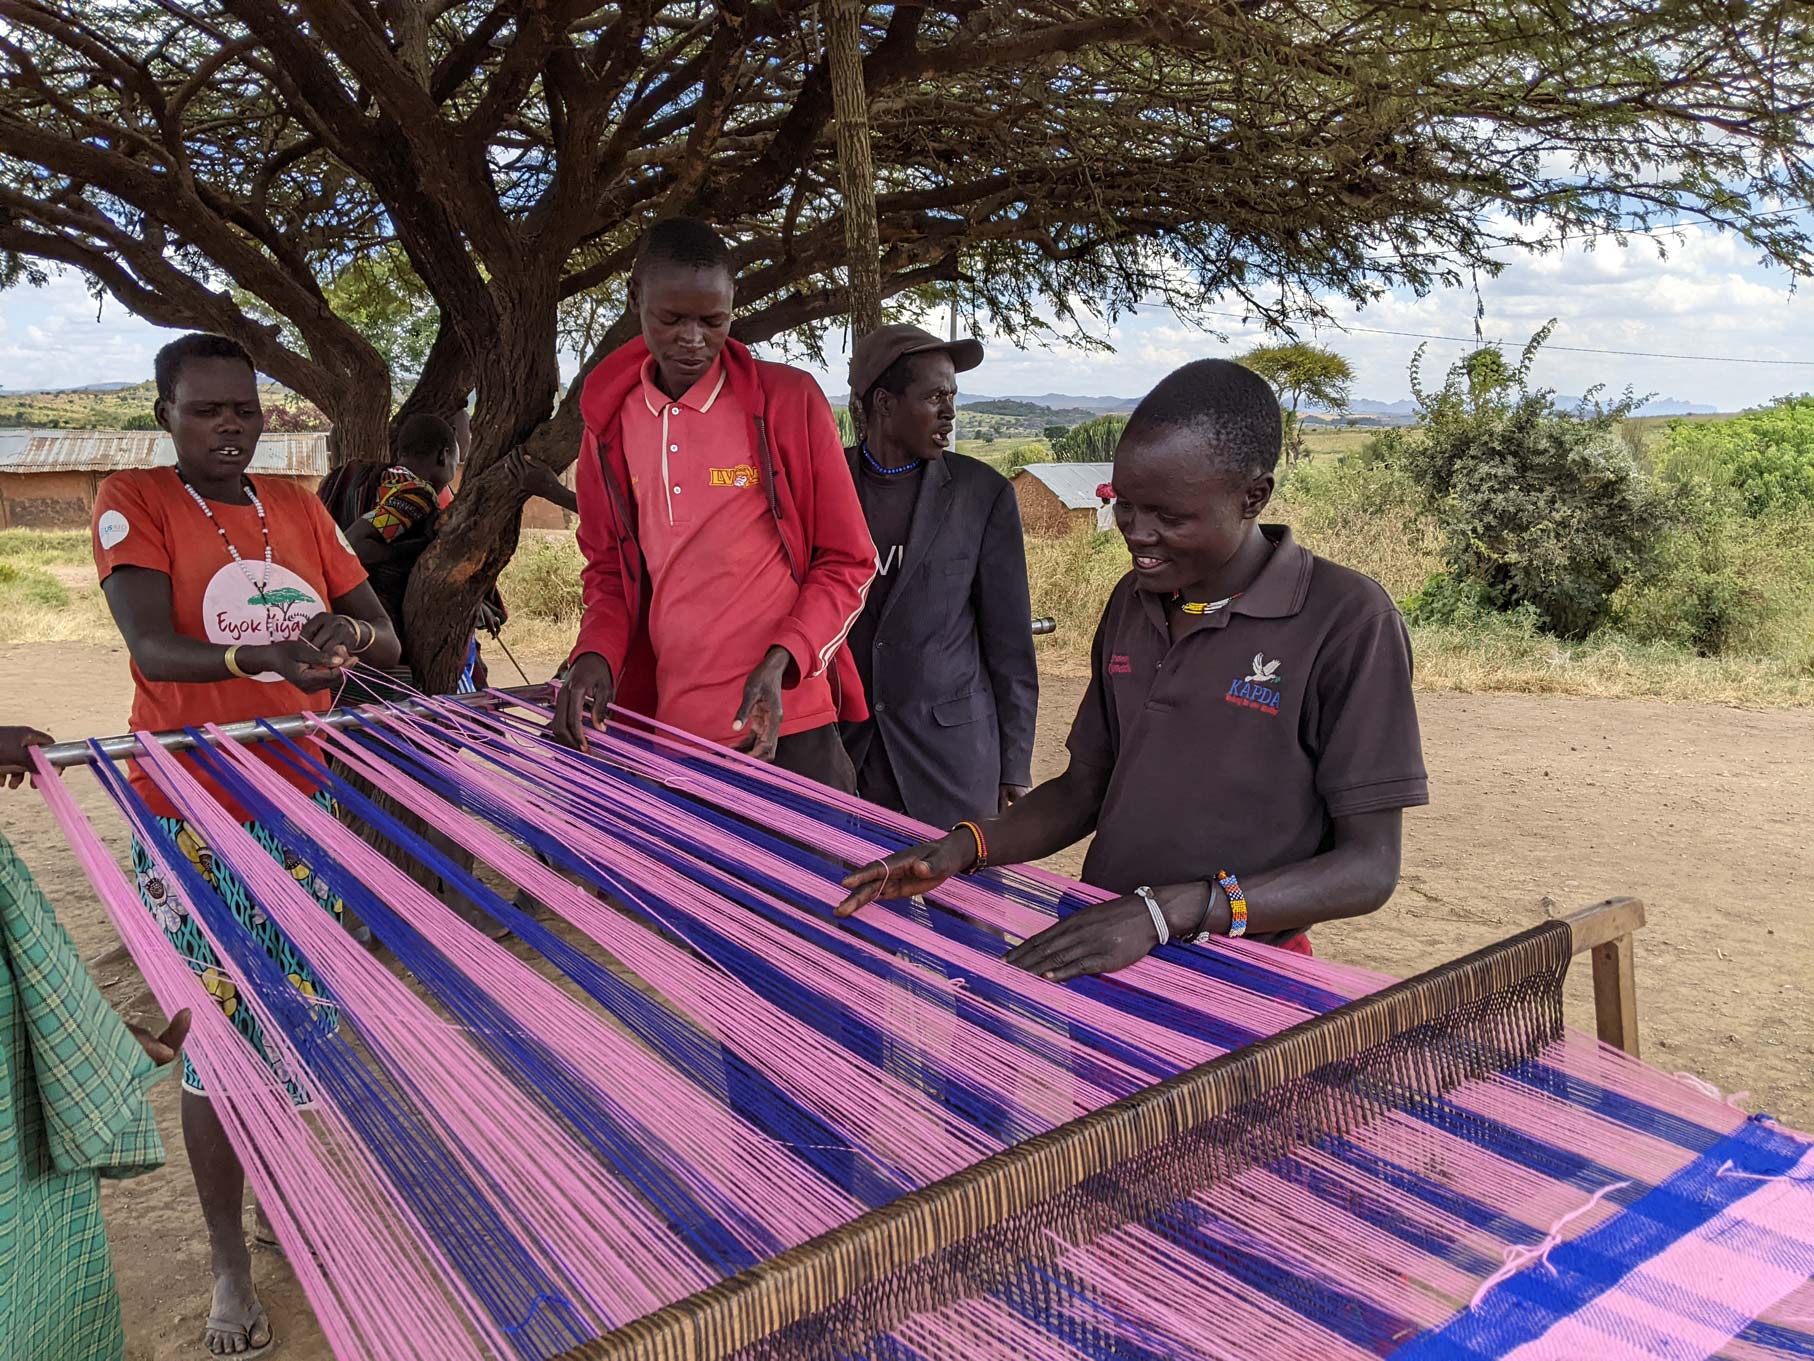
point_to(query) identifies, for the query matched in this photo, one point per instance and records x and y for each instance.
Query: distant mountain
(86, 387)
(1405, 412)
(1057, 401)
(1029, 411)
(1367, 406)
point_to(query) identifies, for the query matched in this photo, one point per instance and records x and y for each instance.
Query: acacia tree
(1302, 373)
(190, 156)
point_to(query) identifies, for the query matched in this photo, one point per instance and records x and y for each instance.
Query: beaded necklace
(1204, 606)
(870, 459)
(232, 552)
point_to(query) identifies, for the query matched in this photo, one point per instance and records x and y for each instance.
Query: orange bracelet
(982, 847)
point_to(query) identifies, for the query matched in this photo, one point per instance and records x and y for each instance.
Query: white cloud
(1703, 295)
(50, 337)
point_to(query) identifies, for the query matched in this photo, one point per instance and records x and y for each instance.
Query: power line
(1571, 349)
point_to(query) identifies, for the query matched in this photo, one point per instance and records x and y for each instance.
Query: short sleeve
(130, 528)
(341, 570)
(1369, 755)
(1092, 739)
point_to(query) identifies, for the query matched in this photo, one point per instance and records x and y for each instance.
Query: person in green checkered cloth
(72, 1110)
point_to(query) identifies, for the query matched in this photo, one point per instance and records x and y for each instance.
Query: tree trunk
(361, 428)
(478, 535)
(843, 21)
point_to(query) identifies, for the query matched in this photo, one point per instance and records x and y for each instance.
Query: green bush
(31, 586)
(1538, 506)
(1023, 454)
(1765, 456)
(542, 580)
(1092, 442)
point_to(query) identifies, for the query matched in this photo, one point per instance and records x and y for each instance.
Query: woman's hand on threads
(298, 661)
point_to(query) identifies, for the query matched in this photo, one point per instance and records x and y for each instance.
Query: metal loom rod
(62, 755)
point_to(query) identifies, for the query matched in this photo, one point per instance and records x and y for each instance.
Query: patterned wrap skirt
(186, 935)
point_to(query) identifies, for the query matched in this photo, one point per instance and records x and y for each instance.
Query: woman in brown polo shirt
(1248, 742)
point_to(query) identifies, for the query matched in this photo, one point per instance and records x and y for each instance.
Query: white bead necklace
(232, 552)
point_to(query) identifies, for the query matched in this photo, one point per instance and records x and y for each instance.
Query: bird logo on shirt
(1264, 672)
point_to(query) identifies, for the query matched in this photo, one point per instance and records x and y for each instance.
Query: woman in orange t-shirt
(237, 599)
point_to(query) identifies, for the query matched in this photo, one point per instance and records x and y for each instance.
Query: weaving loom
(690, 1116)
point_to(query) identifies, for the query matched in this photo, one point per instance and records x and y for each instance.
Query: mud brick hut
(48, 478)
(1055, 498)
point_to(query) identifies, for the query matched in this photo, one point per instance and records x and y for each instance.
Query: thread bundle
(690, 1067)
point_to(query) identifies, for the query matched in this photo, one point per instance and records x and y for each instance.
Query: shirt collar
(1283, 584)
(699, 397)
(1278, 592)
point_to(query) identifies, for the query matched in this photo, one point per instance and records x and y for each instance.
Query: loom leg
(237, 1324)
(1616, 994)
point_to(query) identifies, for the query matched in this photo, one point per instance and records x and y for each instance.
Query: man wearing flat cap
(944, 644)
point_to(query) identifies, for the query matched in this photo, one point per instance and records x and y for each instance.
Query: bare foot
(237, 1323)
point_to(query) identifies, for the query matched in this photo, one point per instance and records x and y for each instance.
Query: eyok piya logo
(234, 610)
(1259, 689)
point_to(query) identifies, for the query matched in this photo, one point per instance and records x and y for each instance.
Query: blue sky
(1706, 296)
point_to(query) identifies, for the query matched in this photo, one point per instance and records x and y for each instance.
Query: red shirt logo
(1119, 665)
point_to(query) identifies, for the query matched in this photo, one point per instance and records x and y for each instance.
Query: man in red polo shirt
(726, 552)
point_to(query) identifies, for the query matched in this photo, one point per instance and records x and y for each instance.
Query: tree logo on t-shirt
(233, 614)
(286, 599)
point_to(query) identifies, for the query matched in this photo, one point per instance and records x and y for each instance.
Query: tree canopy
(1303, 373)
(224, 164)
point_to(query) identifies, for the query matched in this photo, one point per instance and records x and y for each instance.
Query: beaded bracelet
(982, 847)
(1237, 903)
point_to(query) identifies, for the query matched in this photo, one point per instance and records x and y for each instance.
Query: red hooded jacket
(795, 443)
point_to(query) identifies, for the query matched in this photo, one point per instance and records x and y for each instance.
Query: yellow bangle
(232, 660)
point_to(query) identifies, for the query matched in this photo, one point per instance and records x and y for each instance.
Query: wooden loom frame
(1491, 1008)
(1318, 1076)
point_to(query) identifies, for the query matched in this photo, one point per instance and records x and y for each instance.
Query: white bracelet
(1145, 895)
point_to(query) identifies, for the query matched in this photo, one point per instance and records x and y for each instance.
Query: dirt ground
(1540, 804)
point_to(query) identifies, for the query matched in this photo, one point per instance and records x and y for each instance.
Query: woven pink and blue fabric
(691, 1069)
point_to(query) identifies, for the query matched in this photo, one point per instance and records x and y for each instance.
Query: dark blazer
(954, 690)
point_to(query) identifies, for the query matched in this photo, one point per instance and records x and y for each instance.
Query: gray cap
(871, 356)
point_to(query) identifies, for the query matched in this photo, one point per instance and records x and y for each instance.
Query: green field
(125, 409)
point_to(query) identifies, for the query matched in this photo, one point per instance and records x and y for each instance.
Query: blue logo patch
(1258, 689)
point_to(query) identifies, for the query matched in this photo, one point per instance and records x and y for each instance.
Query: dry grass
(541, 588)
(47, 594)
(1358, 517)
(1508, 661)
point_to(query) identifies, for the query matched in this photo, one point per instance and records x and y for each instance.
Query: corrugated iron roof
(1073, 483)
(108, 451)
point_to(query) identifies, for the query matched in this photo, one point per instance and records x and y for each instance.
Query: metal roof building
(1057, 497)
(108, 451)
(48, 478)
(1072, 483)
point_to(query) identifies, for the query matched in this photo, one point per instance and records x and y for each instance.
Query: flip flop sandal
(217, 1324)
